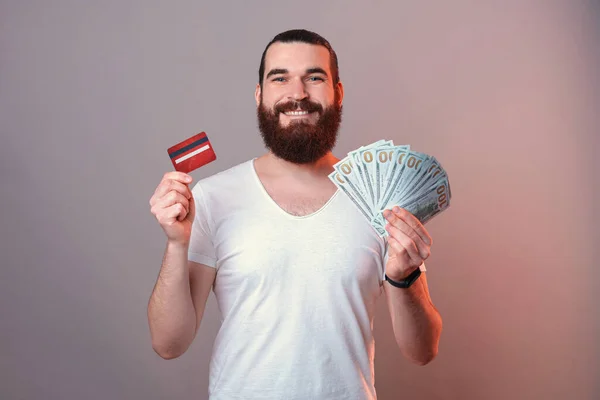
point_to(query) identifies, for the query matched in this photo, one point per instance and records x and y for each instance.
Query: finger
(407, 244)
(401, 224)
(173, 180)
(414, 223)
(170, 199)
(399, 251)
(422, 248)
(178, 176)
(171, 214)
(170, 184)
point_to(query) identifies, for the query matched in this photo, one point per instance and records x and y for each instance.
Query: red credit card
(192, 153)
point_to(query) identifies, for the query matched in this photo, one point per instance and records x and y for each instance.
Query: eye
(278, 79)
(315, 79)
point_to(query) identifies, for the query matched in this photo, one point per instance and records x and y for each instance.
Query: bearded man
(295, 267)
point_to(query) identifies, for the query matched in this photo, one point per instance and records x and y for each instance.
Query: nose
(297, 90)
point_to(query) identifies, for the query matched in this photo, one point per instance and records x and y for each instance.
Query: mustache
(305, 105)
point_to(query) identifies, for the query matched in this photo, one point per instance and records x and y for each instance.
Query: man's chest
(261, 245)
(299, 201)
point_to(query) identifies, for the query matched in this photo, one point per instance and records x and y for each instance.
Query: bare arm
(178, 301)
(179, 296)
(416, 322)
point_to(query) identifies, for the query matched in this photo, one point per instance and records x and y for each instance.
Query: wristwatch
(406, 282)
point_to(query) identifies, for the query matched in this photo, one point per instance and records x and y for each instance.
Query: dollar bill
(347, 169)
(364, 160)
(343, 185)
(430, 203)
(382, 175)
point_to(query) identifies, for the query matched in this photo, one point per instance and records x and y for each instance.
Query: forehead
(297, 57)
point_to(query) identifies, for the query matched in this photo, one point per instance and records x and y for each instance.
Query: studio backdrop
(505, 94)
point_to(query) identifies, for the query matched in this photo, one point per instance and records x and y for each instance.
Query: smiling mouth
(296, 113)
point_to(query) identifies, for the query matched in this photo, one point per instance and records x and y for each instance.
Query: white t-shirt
(297, 294)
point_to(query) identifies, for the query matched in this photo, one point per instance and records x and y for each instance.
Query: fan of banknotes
(381, 175)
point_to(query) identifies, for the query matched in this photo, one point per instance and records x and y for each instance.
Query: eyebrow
(281, 71)
(316, 70)
(277, 71)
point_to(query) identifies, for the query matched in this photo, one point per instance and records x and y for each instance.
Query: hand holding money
(381, 175)
(409, 243)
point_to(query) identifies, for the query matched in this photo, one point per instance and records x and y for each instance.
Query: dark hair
(303, 36)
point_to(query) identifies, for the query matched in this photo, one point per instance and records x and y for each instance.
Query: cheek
(325, 96)
(270, 97)
(269, 103)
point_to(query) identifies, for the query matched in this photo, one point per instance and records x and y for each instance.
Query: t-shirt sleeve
(201, 248)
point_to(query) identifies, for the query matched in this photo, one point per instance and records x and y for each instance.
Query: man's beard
(300, 142)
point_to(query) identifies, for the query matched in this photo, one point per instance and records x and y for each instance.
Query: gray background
(505, 94)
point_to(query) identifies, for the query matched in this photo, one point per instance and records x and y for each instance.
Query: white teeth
(296, 113)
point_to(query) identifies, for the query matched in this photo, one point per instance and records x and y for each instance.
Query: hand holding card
(192, 153)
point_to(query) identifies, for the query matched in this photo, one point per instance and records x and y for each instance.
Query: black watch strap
(406, 282)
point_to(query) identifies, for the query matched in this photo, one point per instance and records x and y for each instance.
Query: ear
(257, 94)
(340, 89)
